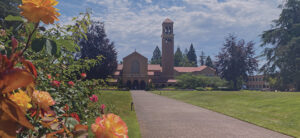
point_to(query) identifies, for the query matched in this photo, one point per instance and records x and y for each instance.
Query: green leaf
(51, 47)
(69, 45)
(38, 44)
(71, 122)
(14, 18)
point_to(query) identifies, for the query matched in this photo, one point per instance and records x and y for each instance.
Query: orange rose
(42, 99)
(110, 126)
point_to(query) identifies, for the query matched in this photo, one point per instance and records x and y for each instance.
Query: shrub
(189, 81)
(200, 89)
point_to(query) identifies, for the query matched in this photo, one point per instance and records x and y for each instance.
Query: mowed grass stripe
(276, 111)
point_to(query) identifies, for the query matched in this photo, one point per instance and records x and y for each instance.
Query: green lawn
(276, 111)
(119, 103)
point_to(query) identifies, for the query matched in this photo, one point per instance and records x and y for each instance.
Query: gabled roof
(189, 69)
(134, 53)
(168, 21)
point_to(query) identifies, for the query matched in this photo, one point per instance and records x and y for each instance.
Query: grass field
(276, 111)
(119, 102)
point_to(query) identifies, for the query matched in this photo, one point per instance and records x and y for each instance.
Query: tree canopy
(156, 57)
(282, 46)
(97, 44)
(236, 61)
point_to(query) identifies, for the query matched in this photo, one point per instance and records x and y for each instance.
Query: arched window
(135, 67)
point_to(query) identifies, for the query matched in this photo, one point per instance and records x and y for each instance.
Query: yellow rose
(39, 10)
(22, 100)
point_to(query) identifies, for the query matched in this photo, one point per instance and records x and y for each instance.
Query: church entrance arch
(143, 85)
(128, 84)
(135, 85)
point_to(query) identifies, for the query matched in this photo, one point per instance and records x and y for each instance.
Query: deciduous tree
(97, 44)
(236, 61)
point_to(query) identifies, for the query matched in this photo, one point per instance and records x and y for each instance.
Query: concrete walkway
(161, 117)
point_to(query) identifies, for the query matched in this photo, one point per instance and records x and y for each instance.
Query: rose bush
(44, 91)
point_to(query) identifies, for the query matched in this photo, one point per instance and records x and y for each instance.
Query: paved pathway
(161, 117)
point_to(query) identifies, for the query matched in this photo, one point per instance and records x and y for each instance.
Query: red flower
(55, 83)
(94, 98)
(83, 75)
(66, 108)
(71, 83)
(75, 116)
(14, 43)
(49, 76)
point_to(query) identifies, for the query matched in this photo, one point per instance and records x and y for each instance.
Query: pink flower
(71, 83)
(103, 106)
(55, 83)
(83, 75)
(14, 43)
(94, 98)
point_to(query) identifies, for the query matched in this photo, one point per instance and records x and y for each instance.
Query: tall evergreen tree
(202, 58)
(156, 57)
(236, 61)
(97, 44)
(209, 62)
(178, 57)
(191, 55)
(283, 58)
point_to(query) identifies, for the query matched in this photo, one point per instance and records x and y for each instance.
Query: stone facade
(257, 83)
(136, 73)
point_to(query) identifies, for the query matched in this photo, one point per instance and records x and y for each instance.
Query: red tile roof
(168, 21)
(151, 73)
(120, 67)
(117, 73)
(172, 80)
(189, 69)
(154, 67)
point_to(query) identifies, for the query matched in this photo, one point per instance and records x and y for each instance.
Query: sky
(136, 24)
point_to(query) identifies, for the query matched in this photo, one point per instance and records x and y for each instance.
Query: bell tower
(167, 39)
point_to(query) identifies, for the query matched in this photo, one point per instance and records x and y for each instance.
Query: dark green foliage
(178, 57)
(191, 55)
(156, 58)
(283, 56)
(190, 81)
(9, 7)
(202, 58)
(209, 62)
(236, 61)
(97, 44)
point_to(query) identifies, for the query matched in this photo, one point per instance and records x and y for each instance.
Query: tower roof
(168, 21)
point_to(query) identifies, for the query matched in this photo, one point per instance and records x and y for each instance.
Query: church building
(136, 73)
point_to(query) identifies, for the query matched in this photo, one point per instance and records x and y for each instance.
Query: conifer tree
(191, 55)
(209, 62)
(178, 57)
(156, 57)
(202, 58)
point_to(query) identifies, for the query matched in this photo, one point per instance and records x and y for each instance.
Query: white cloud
(204, 23)
(148, 1)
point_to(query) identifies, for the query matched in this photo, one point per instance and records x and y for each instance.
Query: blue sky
(136, 24)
